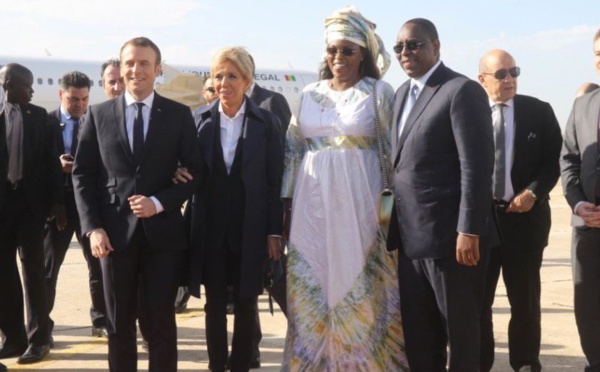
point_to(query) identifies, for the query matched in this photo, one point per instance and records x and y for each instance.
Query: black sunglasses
(410, 45)
(502, 73)
(347, 51)
(210, 90)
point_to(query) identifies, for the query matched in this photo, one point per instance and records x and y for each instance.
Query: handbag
(386, 196)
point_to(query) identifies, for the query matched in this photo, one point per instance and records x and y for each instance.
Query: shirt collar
(241, 111)
(9, 106)
(129, 100)
(64, 114)
(420, 82)
(509, 103)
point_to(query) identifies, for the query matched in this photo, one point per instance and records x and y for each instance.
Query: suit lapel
(398, 105)
(431, 87)
(520, 131)
(119, 121)
(253, 129)
(28, 136)
(154, 123)
(595, 109)
(60, 142)
(206, 134)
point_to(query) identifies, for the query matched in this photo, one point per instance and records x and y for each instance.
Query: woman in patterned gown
(343, 297)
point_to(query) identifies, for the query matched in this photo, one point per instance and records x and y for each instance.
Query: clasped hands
(590, 214)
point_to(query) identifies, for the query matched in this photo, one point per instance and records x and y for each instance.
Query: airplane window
(272, 88)
(59, 81)
(279, 89)
(40, 81)
(296, 89)
(91, 83)
(100, 83)
(50, 81)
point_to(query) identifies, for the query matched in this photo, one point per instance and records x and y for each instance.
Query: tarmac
(76, 350)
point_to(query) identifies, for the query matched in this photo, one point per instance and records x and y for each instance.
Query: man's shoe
(99, 332)
(145, 346)
(34, 354)
(3, 368)
(9, 351)
(254, 363)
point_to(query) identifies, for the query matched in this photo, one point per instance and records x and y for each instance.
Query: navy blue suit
(443, 163)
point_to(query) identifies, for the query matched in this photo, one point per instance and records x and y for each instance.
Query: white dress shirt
(509, 140)
(231, 130)
(67, 131)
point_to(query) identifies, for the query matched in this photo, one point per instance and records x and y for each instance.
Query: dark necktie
(75, 137)
(138, 132)
(500, 155)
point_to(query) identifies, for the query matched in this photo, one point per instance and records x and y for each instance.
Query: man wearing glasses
(443, 158)
(527, 143)
(581, 183)
(210, 95)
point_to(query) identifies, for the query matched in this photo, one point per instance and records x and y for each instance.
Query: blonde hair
(239, 56)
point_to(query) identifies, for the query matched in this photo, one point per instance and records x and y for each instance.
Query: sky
(550, 40)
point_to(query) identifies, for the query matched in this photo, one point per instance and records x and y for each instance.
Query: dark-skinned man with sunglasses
(527, 146)
(443, 158)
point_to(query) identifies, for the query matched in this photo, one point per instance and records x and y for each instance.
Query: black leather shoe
(99, 332)
(9, 351)
(34, 354)
(254, 363)
(3, 368)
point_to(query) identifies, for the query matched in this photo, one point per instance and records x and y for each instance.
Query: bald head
(586, 88)
(498, 75)
(16, 81)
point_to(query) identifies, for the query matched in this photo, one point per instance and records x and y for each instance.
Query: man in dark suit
(74, 96)
(276, 104)
(112, 81)
(129, 149)
(442, 153)
(31, 191)
(580, 172)
(528, 142)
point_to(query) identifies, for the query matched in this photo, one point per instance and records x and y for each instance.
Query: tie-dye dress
(343, 298)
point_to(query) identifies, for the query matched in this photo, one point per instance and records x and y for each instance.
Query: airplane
(47, 73)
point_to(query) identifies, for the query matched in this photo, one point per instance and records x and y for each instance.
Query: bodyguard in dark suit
(442, 153)
(276, 104)
(31, 189)
(128, 151)
(236, 213)
(273, 102)
(580, 172)
(528, 142)
(66, 121)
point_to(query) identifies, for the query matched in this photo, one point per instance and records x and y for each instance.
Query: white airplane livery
(47, 73)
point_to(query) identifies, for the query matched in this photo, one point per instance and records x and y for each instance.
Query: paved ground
(75, 350)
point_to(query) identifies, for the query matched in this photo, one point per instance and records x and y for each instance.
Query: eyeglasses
(210, 90)
(502, 73)
(410, 45)
(347, 51)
